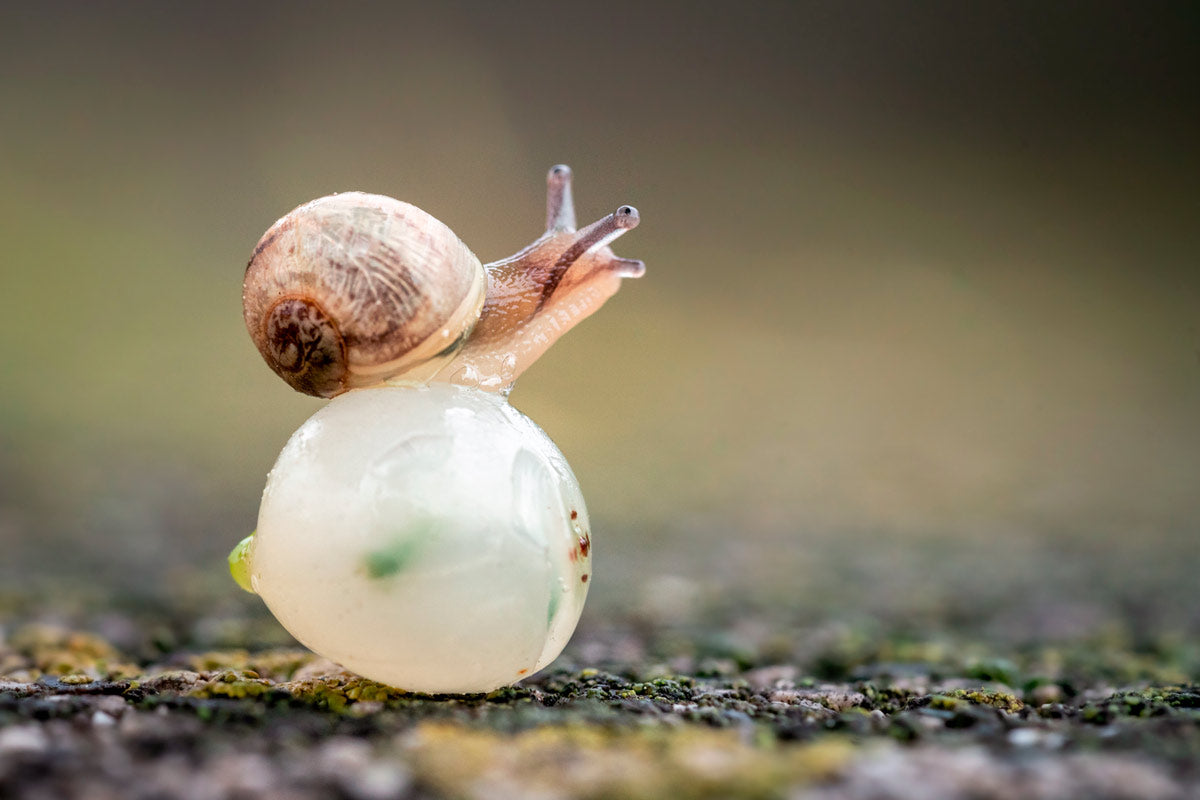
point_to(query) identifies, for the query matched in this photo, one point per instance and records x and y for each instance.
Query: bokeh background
(919, 340)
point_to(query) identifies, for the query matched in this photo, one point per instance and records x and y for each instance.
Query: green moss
(942, 702)
(330, 698)
(1149, 702)
(985, 697)
(888, 699)
(239, 689)
(331, 694)
(76, 680)
(1182, 697)
(339, 694)
(363, 690)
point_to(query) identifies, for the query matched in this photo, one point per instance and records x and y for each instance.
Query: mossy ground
(655, 712)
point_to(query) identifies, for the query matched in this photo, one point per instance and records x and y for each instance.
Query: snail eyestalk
(600, 234)
(629, 267)
(560, 204)
(541, 292)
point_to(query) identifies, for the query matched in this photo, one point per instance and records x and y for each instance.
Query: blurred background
(919, 340)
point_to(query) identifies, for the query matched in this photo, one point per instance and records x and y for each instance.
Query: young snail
(418, 530)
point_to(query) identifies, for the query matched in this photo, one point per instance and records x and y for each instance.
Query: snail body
(417, 529)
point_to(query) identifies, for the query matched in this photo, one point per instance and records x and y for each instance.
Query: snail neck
(537, 295)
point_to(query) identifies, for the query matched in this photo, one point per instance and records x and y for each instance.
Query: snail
(417, 529)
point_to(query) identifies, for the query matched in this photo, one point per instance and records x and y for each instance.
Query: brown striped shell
(354, 289)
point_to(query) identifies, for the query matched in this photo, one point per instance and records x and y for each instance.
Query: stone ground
(120, 706)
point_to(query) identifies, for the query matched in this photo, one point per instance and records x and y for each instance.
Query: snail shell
(354, 289)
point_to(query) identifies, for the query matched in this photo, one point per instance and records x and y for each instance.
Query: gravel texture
(631, 711)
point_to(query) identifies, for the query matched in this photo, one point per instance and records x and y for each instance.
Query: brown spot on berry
(574, 514)
(583, 578)
(522, 671)
(585, 544)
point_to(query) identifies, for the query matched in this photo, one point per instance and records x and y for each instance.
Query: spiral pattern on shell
(353, 289)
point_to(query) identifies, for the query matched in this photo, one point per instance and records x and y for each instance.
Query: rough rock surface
(660, 713)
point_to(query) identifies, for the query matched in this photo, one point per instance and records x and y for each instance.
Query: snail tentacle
(541, 292)
(600, 234)
(560, 204)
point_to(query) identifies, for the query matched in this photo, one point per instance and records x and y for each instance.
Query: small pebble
(111, 704)
(379, 781)
(23, 739)
(1024, 737)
